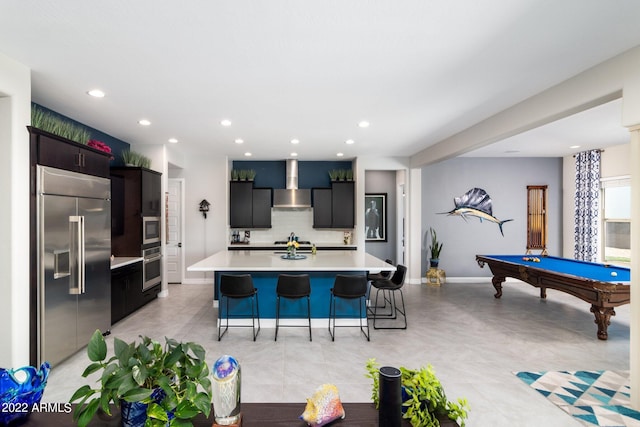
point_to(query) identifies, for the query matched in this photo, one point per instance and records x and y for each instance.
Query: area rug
(595, 398)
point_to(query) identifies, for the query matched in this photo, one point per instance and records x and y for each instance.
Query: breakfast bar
(265, 267)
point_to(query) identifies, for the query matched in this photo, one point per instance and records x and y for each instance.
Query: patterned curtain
(587, 202)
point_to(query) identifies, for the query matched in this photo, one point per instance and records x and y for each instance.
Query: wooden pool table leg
(497, 283)
(603, 316)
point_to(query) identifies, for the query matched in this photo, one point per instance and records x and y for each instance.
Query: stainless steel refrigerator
(74, 270)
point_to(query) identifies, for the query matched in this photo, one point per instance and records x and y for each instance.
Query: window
(616, 220)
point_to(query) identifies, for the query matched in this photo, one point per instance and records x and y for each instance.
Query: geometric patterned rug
(595, 398)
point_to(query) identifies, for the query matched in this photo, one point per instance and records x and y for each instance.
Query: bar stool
(381, 275)
(238, 287)
(293, 286)
(348, 287)
(392, 286)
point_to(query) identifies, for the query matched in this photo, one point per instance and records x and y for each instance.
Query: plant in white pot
(171, 382)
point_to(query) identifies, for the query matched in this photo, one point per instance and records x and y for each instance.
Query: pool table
(604, 286)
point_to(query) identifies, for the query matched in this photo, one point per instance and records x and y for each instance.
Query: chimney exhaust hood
(292, 197)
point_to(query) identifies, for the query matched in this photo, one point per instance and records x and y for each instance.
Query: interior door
(173, 251)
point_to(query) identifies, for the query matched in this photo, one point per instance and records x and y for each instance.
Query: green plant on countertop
(436, 247)
(333, 174)
(426, 397)
(48, 122)
(132, 158)
(349, 175)
(251, 174)
(172, 379)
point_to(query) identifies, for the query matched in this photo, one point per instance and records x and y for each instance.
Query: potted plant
(435, 248)
(251, 174)
(242, 173)
(349, 175)
(423, 397)
(333, 175)
(342, 174)
(171, 382)
(234, 175)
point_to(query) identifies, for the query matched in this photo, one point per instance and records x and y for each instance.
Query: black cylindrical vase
(390, 388)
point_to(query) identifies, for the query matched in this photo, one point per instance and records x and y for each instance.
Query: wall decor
(476, 202)
(375, 217)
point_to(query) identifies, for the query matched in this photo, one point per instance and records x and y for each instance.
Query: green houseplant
(48, 122)
(434, 249)
(173, 380)
(423, 396)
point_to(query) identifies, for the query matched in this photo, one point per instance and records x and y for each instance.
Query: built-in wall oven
(152, 267)
(151, 227)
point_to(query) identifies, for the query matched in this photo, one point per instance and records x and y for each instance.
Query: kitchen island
(265, 267)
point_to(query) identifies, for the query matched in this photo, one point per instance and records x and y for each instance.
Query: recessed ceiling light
(239, 141)
(575, 146)
(295, 141)
(96, 93)
(349, 141)
(294, 154)
(247, 154)
(173, 140)
(340, 154)
(144, 122)
(225, 122)
(363, 124)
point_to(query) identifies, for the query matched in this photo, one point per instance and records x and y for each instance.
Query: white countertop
(121, 261)
(283, 245)
(268, 261)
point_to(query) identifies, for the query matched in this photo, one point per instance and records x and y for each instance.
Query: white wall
(15, 114)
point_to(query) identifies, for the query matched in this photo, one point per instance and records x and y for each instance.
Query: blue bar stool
(293, 286)
(238, 287)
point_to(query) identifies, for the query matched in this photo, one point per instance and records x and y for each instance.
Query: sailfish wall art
(476, 202)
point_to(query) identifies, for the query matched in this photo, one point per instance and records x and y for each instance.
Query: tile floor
(474, 342)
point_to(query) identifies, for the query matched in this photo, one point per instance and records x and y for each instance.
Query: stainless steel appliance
(152, 270)
(151, 230)
(74, 249)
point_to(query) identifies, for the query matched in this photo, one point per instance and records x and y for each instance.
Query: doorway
(174, 230)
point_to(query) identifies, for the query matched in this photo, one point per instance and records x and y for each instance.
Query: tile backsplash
(284, 221)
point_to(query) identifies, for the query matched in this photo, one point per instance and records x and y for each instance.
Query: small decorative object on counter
(20, 391)
(226, 391)
(292, 247)
(313, 249)
(323, 407)
(347, 238)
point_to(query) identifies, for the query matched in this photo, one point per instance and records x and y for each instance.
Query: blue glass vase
(134, 414)
(20, 390)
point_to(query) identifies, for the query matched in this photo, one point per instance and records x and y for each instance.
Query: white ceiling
(417, 70)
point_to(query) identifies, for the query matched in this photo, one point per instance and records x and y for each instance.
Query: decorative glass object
(20, 390)
(323, 407)
(226, 390)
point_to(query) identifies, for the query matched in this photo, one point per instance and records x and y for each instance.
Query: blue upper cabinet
(311, 174)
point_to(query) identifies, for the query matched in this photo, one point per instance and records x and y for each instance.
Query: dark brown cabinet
(126, 291)
(334, 207)
(135, 193)
(51, 150)
(249, 207)
(322, 207)
(342, 201)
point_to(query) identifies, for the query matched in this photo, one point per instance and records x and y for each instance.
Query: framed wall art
(375, 217)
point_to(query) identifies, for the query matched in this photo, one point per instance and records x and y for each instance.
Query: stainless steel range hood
(292, 197)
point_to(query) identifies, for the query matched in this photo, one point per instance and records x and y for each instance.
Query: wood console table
(253, 415)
